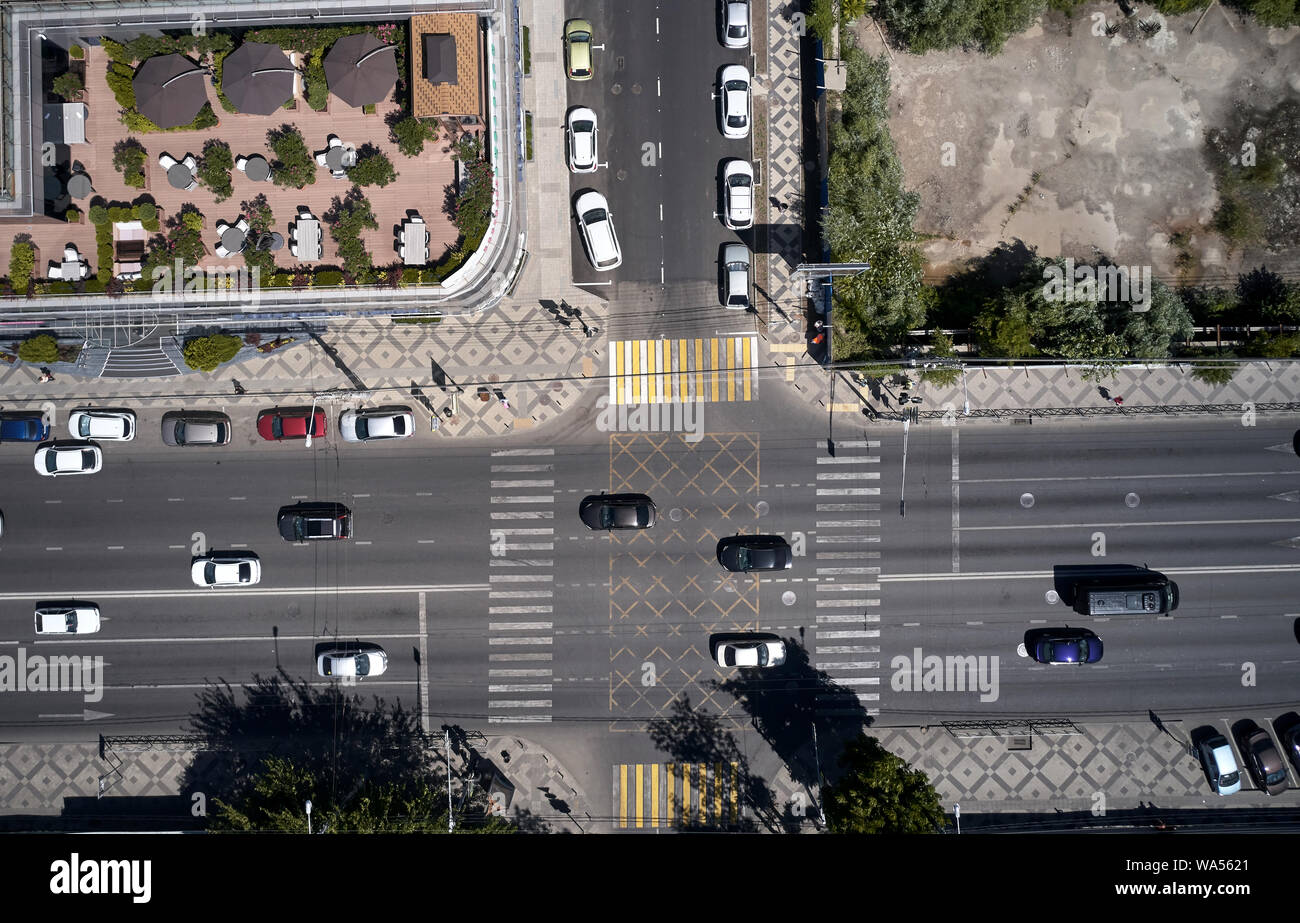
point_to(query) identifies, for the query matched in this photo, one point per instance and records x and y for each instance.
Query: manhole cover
(621, 174)
(1026, 500)
(1052, 597)
(636, 89)
(675, 514)
(1131, 500)
(788, 597)
(616, 89)
(762, 508)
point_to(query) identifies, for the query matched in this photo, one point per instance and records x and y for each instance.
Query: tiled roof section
(463, 97)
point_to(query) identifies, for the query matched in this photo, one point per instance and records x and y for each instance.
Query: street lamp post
(309, 815)
(902, 503)
(446, 752)
(956, 809)
(965, 393)
(311, 420)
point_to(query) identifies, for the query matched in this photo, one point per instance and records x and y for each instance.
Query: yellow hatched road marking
(747, 346)
(713, 352)
(668, 810)
(654, 794)
(622, 794)
(668, 368)
(640, 799)
(731, 371)
(652, 365)
(704, 785)
(717, 792)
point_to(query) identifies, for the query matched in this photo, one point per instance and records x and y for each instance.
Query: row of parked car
(88, 426)
(1258, 752)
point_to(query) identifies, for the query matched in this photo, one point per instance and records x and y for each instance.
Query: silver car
(738, 193)
(195, 427)
(733, 101)
(735, 276)
(352, 662)
(596, 224)
(369, 425)
(735, 23)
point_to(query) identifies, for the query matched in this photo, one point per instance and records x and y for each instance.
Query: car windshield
(742, 558)
(735, 86)
(1275, 777)
(582, 126)
(762, 655)
(245, 571)
(277, 427)
(83, 427)
(70, 621)
(579, 37)
(1066, 650)
(363, 665)
(736, 31)
(87, 459)
(363, 428)
(593, 216)
(606, 516)
(740, 179)
(52, 461)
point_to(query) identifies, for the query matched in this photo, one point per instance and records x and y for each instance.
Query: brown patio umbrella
(169, 90)
(360, 69)
(257, 78)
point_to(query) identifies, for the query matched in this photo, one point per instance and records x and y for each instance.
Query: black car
(313, 522)
(743, 553)
(1291, 743)
(618, 511)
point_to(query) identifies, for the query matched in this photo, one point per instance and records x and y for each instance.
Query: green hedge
(206, 353)
(327, 277)
(40, 348)
(22, 263)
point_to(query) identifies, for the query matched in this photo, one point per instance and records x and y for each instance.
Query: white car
(67, 620)
(55, 459)
(351, 662)
(756, 653)
(596, 225)
(735, 23)
(735, 276)
(733, 101)
(113, 425)
(738, 193)
(226, 568)
(1220, 765)
(582, 130)
(376, 423)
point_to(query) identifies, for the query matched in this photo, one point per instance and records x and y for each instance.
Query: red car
(290, 423)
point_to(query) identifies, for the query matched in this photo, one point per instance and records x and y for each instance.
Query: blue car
(23, 426)
(1067, 645)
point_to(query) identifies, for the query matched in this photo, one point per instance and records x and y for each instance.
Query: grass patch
(528, 55)
(528, 136)
(418, 320)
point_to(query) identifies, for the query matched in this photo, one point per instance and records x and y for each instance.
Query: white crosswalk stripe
(517, 585)
(847, 598)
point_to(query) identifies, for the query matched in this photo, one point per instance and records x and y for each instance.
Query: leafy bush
(128, 159)
(347, 218)
(410, 135)
(292, 164)
(145, 211)
(119, 78)
(1213, 374)
(924, 25)
(215, 165)
(116, 51)
(98, 215)
(72, 215)
(206, 353)
(41, 348)
(317, 90)
(151, 224)
(68, 86)
(373, 168)
(104, 248)
(117, 213)
(280, 280)
(410, 275)
(327, 277)
(62, 288)
(218, 76)
(472, 210)
(93, 286)
(22, 263)
(76, 51)
(941, 348)
(1271, 346)
(1259, 200)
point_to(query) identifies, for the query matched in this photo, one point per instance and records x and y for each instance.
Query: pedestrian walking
(239, 389)
(1119, 401)
(46, 374)
(1105, 392)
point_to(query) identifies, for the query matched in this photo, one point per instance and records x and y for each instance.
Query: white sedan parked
(376, 423)
(596, 225)
(582, 131)
(738, 190)
(55, 459)
(756, 653)
(113, 425)
(226, 568)
(733, 101)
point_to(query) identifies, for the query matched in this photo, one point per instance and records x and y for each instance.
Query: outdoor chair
(166, 161)
(70, 254)
(241, 164)
(190, 162)
(84, 270)
(242, 225)
(222, 251)
(293, 246)
(222, 226)
(55, 271)
(320, 159)
(334, 141)
(194, 184)
(304, 215)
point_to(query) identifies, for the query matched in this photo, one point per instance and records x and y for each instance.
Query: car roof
(591, 199)
(734, 72)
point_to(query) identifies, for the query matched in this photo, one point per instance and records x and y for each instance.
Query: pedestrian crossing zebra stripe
(683, 370)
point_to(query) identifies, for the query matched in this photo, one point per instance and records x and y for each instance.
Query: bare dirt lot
(1108, 133)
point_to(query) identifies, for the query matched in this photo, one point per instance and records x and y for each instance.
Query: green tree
(880, 793)
(1002, 330)
(68, 86)
(293, 165)
(941, 348)
(206, 353)
(410, 135)
(128, 158)
(215, 165)
(1152, 334)
(373, 168)
(40, 349)
(930, 25)
(347, 218)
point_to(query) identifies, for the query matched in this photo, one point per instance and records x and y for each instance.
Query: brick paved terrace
(421, 184)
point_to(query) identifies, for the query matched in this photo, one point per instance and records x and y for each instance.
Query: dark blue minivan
(23, 426)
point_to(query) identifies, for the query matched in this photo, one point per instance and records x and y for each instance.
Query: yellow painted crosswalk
(680, 370)
(654, 795)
